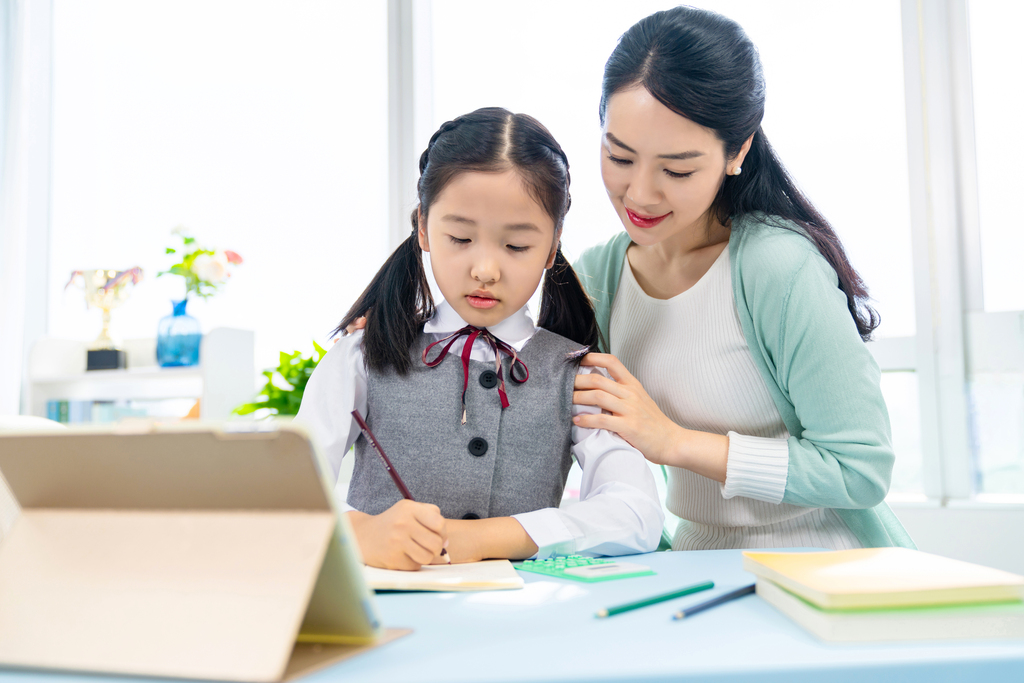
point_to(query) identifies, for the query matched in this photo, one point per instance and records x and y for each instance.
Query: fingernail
(445, 544)
(576, 420)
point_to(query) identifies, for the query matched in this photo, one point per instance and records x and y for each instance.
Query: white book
(489, 575)
(991, 621)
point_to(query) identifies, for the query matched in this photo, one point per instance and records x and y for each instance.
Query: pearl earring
(737, 170)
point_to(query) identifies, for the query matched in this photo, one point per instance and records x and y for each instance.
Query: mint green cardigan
(821, 376)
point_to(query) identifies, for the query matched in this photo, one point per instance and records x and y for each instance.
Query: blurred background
(288, 132)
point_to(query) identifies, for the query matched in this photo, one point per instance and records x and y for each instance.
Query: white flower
(213, 269)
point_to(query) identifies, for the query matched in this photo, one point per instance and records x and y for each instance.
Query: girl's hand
(473, 540)
(407, 535)
(631, 413)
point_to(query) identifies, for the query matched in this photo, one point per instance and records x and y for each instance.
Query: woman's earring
(737, 170)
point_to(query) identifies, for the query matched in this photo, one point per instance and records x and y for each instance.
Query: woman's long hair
(398, 302)
(702, 66)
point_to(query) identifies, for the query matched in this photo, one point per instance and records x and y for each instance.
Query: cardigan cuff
(757, 468)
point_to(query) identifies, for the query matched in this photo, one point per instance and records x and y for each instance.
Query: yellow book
(883, 577)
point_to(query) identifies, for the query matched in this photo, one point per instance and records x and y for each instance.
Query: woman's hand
(407, 535)
(631, 413)
(357, 324)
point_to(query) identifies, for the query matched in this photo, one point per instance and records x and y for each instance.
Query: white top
(619, 512)
(690, 354)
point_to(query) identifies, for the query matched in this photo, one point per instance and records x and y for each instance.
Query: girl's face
(662, 171)
(489, 243)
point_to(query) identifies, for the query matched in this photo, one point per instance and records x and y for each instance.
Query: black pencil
(732, 595)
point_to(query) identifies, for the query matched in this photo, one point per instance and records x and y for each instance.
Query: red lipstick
(645, 221)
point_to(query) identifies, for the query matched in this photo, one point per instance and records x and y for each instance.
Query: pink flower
(232, 256)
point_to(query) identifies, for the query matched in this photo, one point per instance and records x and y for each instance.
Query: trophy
(105, 290)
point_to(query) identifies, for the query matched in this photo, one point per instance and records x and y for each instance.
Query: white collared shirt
(619, 512)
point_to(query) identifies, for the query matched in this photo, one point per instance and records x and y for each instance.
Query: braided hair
(398, 301)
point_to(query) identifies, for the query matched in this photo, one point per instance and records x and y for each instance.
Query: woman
(734, 320)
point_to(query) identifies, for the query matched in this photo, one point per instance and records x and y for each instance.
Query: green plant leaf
(293, 372)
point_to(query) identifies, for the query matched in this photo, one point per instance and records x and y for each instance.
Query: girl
(734, 317)
(472, 403)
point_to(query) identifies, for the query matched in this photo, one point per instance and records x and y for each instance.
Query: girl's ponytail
(565, 308)
(396, 304)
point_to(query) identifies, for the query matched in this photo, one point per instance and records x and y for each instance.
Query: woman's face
(662, 171)
(489, 242)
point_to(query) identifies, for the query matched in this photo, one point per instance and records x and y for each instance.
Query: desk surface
(548, 632)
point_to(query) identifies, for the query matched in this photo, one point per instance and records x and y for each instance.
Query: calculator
(586, 569)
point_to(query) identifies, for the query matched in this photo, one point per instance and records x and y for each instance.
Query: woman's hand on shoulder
(407, 535)
(628, 410)
(357, 324)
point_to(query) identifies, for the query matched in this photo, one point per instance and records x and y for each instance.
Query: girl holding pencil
(471, 401)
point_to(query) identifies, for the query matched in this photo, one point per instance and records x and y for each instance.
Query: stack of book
(874, 594)
(106, 411)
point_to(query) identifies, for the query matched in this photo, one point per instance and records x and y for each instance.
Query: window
(261, 127)
(997, 391)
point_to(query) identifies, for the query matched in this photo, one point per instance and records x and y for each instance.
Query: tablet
(190, 550)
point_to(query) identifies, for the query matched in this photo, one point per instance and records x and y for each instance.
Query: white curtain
(25, 79)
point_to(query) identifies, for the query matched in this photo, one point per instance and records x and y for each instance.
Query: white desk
(548, 632)
(501, 637)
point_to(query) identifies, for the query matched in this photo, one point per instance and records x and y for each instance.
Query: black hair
(703, 66)
(398, 302)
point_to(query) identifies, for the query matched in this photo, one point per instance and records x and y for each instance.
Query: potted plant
(282, 393)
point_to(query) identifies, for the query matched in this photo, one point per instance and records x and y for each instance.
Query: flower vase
(178, 337)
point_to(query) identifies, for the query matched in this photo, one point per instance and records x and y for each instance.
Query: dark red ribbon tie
(497, 345)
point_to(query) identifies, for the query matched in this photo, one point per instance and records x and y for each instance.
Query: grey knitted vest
(500, 463)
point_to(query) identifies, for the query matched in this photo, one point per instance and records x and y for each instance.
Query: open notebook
(490, 575)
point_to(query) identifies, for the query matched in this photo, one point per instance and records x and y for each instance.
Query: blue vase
(177, 338)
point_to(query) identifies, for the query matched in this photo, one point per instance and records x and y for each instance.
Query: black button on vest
(477, 446)
(488, 379)
(471, 515)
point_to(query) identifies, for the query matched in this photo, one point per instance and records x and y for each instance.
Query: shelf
(225, 378)
(125, 375)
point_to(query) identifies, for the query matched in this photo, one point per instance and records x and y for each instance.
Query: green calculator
(586, 569)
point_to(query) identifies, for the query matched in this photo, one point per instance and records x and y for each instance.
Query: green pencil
(654, 600)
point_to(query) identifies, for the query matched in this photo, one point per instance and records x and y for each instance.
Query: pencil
(732, 595)
(406, 493)
(654, 600)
